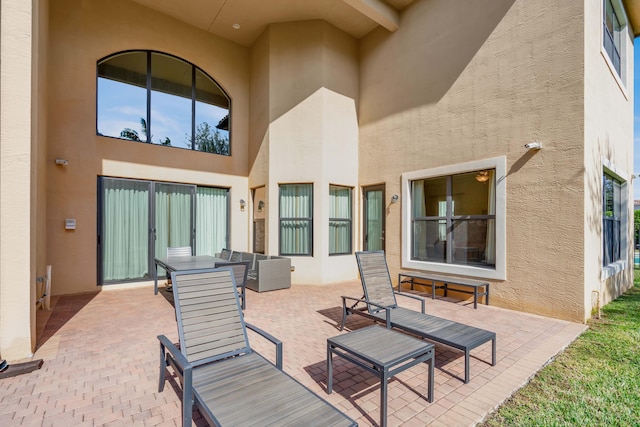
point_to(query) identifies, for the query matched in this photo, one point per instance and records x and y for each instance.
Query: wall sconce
(394, 198)
(260, 206)
(242, 204)
(534, 145)
(482, 176)
(63, 162)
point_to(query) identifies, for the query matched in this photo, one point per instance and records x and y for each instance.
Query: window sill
(456, 269)
(613, 269)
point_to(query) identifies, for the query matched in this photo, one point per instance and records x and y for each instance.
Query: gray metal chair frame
(220, 374)
(225, 254)
(240, 272)
(381, 306)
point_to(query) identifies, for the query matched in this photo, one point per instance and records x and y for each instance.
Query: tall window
(612, 210)
(453, 219)
(613, 37)
(157, 98)
(296, 219)
(339, 220)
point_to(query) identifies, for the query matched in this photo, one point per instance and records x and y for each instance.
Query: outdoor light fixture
(394, 198)
(63, 162)
(242, 204)
(534, 145)
(260, 205)
(482, 176)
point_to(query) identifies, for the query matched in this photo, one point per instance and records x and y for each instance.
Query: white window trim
(624, 21)
(620, 265)
(500, 270)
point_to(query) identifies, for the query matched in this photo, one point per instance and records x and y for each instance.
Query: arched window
(156, 98)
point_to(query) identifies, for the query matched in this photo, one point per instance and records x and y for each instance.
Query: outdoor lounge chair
(240, 271)
(229, 383)
(381, 306)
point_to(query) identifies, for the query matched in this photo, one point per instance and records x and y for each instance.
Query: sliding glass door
(138, 220)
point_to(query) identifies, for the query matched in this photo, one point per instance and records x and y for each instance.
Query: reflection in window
(152, 97)
(612, 210)
(453, 219)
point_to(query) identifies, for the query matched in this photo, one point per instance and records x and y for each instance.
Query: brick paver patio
(101, 359)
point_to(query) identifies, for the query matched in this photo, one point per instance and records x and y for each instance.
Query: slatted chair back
(225, 254)
(210, 321)
(240, 271)
(235, 256)
(375, 279)
(179, 251)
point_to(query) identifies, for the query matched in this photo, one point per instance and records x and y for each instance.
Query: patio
(101, 354)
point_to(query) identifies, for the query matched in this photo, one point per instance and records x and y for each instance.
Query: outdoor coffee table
(383, 352)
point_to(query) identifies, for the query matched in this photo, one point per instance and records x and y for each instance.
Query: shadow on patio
(101, 360)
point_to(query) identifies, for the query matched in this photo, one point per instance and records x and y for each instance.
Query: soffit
(218, 16)
(633, 13)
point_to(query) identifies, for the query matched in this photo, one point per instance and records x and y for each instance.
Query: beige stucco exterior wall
(81, 33)
(17, 198)
(312, 133)
(608, 129)
(464, 81)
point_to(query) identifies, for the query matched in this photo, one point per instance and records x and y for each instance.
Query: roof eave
(632, 7)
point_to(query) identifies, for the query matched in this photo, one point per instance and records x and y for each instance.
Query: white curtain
(173, 217)
(339, 220)
(490, 249)
(211, 220)
(125, 234)
(419, 209)
(295, 219)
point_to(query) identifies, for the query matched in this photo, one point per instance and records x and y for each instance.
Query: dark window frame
(348, 221)
(194, 70)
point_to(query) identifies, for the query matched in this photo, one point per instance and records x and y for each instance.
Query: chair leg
(163, 369)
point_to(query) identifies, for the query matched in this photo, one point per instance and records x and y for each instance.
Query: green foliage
(595, 382)
(209, 140)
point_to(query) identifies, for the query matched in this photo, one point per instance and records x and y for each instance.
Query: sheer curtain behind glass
(339, 220)
(125, 236)
(295, 219)
(173, 217)
(211, 220)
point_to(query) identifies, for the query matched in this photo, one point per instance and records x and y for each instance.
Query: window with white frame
(339, 220)
(613, 38)
(611, 222)
(296, 219)
(455, 219)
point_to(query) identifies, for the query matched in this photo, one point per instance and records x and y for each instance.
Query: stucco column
(16, 284)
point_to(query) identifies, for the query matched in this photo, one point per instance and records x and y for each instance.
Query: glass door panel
(124, 238)
(373, 211)
(173, 217)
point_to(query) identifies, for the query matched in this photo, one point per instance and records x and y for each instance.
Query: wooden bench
(478, 288)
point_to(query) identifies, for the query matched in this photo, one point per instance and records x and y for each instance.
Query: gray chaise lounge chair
(381, 306)
(230, 383)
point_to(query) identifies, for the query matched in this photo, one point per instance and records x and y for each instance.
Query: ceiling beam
(378, 11)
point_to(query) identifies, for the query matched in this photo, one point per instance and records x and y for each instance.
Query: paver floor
(101, 360)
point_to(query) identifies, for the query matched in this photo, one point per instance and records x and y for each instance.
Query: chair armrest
(177, 356)
(412, 297)
(271, 338)
(386, 309)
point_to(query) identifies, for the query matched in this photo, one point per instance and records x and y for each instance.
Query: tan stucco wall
(310, 134)
(608, 129)
(81, 33)
(17, 197)
(463, 81)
